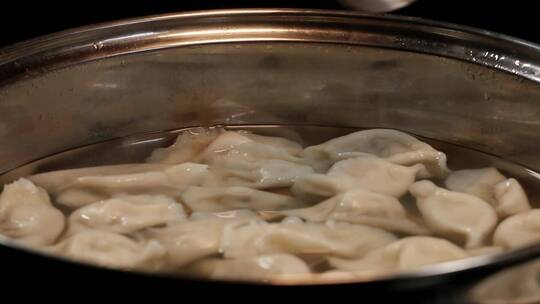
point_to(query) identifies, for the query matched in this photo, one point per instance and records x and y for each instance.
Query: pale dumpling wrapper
(236, 214)
(505, 195)
(368, 173)
(518, 230)
(187, 147)
(170, 181)
(335, 239)
(55, 181)
(126, 214)
(510, 198)
(112, 250)
(360, 207)
(235, 144)
(406, 254)
(458, 216)
(216, 199)
(27, 215)
(188, 241)
(260, 174)
(392, 145)
(259, 268)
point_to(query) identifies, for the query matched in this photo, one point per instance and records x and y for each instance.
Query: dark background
(21, 20)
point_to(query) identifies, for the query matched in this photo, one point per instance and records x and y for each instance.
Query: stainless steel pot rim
(104, 40)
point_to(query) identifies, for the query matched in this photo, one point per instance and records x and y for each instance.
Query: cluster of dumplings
(235, 205)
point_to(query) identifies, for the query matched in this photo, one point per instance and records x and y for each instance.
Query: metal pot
(301, 67)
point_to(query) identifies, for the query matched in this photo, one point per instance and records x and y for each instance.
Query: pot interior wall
(270, 83)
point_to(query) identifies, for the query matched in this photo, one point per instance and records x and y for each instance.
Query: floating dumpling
(369, 173)
(170, 181)
(54, 181)
(187, 147)
(484, 250)
(27, 215)
(518, 230)
(505, 195)
(108, 249)
(216, 199)
(394, 146)
(191, 240)
(360, 207)
(405, 254)
(510, 198)
(236, 214)
(458, 216)
(337, 239)
(235, 144)
(126, 214)
(261, 174)
(259, 268)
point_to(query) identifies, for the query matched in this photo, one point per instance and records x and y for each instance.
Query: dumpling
(260, 268)
(360, 207)
(187, 147)
(458, 216)
(189, 241)
(338, 239)
(369, 173)
(505, 195)
(394, 146)
(484, 250)
(406, 254)
(235, 144)
(126, 214)
(54, 181)
(291, 147)
(261, 174)
(518, 230)
(510, 198)
(108, 249)
(236, 214)
(216, 199)
(478, 182)
(170, 181)
(27, 215)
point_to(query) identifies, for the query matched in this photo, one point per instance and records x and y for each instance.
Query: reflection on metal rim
(259, 25)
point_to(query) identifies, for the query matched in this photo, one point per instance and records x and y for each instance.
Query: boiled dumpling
(260, 268)
(225, 198)
(518, 230)
(484, 250)
(126, 214)
(458, 216)
(478, 182)
(394, 146)
(368, 173)
(236, 214)
(505, 195)
(27, 215)
(336, 239)
(170, 181)
(291, 147)
(261, 174)
(406, 254)
(111, 250)
(360, 207)
(187, 147)
(54, 181)
(510, 198)
(234, 144)
(191, 240)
